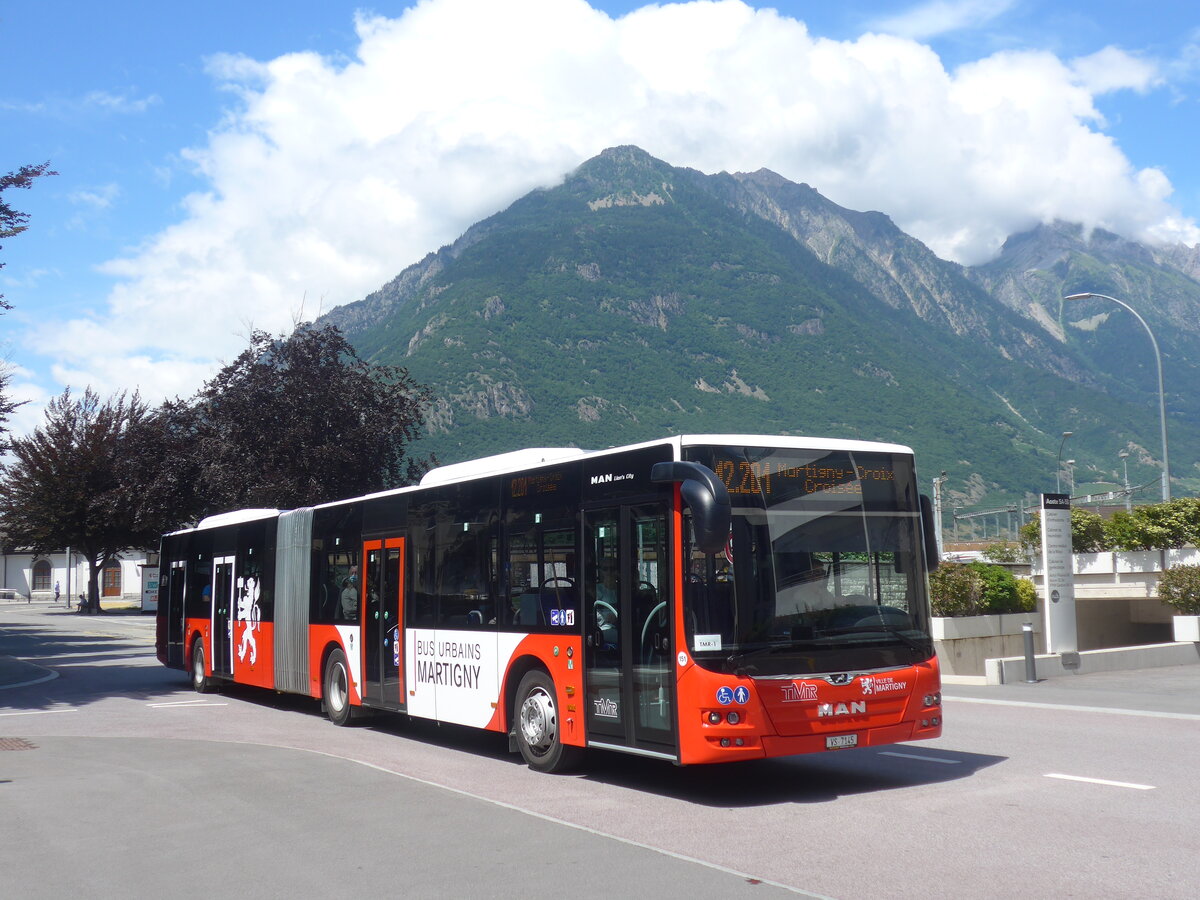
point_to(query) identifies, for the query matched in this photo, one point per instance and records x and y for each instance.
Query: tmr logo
(605, 708)
(798, 691)
(853, 708)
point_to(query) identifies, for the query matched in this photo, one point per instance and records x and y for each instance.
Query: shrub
(1026, 594)
(1161, 526)
(1179, 588)
(1004, 552)
(974, 589)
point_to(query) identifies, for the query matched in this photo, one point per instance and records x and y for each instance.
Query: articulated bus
(696, 599)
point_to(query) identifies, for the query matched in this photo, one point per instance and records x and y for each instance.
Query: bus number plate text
(841, 741)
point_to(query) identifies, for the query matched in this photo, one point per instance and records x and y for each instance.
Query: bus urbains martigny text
(697, 599)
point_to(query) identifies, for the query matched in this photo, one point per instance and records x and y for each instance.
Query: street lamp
(1162, 402)
(1058, 464)
(1124, 455)
(937, 511)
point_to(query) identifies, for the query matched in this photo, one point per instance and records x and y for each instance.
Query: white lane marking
(1148, 713)
(39, 712)
(1124, 784)
(180, 702)
(185, 703)
(936, 759)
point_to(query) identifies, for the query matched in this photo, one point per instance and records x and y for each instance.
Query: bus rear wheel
(537, 726)
(201, 683)
(337, 688)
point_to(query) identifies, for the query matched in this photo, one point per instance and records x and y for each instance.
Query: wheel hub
(538, 719)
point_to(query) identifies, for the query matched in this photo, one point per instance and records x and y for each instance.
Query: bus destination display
(788, 478)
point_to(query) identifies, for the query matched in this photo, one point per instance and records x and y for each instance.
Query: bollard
(1030, 662)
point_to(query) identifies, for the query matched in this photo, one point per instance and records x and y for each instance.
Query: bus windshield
(823, 570)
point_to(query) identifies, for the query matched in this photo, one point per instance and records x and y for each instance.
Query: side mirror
(706, 497)
(929, 530)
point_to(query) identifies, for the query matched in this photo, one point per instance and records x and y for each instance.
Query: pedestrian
(57, 593)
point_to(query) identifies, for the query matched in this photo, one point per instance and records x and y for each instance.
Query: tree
(89, 479)
(12, 222)
(303, 420)
(6, 405)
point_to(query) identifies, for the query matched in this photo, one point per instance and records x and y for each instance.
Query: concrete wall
(1116, 603)
(964, 644)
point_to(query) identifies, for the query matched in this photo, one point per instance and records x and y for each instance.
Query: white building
(34, 576)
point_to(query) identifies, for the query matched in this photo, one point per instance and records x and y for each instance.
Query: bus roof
(791, 442)
(237, 517)
(501, 462)
(517, 460)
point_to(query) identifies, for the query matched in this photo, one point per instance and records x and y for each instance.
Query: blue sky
(233, 165)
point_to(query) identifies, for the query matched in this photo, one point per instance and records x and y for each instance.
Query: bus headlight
(733, 718)
(714, 718)
(934, 699)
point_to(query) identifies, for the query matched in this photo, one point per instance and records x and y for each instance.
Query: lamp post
(1071, 476)
(1162, 402)
(1058, 463)
(937, 511)
(1124, 455)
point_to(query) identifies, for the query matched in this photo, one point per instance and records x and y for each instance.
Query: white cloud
(331, 176)
(1113, 69)
(119, 103)
(927, 20)
(100, 197)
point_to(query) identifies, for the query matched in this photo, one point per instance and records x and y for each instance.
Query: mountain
(638, 299)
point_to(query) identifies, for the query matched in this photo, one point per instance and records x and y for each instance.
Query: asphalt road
(116, 779)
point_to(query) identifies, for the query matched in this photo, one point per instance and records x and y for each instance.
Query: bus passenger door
(627, 620)
(172, 590)
(383, 612)
(222, 615)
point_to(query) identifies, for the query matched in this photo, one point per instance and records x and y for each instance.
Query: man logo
(853, 708)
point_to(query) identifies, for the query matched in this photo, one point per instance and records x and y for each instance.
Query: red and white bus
(696, 599)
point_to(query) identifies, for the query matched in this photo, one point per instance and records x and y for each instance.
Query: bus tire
(537, 726)
(201, 683)
(336, 689)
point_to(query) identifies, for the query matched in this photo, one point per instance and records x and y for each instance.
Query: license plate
(841, 741)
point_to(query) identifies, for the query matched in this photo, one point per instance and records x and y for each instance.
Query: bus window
(455, 538)
(336, 580)
(541, 573)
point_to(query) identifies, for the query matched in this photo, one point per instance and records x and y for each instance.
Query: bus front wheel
(537, 726)
(337, 688)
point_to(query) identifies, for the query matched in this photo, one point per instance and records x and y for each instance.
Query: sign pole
(1058, 574)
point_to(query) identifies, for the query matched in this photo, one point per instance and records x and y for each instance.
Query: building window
(112, 581)
(41, 575)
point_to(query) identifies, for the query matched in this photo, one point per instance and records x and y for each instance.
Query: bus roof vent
(501, 462)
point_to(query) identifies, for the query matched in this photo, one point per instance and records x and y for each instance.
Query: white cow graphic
(248, 611)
